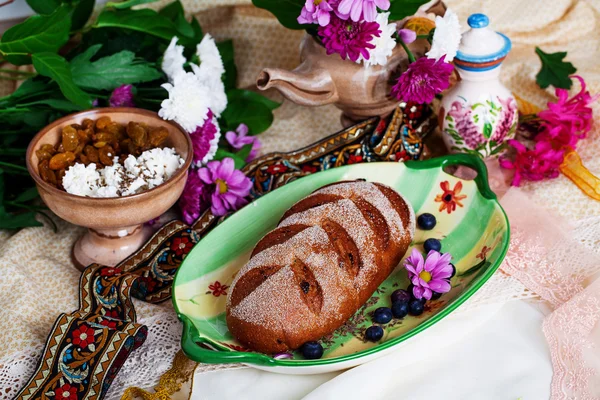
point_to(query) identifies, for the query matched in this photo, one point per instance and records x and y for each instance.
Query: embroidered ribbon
(86, 349)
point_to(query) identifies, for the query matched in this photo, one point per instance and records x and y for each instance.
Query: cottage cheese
(150, 169)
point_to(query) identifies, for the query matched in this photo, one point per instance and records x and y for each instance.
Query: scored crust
(325, 259)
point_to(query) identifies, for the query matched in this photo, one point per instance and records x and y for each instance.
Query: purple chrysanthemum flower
(122, 97)
(422, 80)
(194, 199)
(429, 275)
(315, 11)
(205, 140)
(228, 186)
(240, 138)
(362, 9)
(349, 39)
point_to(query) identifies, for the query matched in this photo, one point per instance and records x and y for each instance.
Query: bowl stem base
(109, 246)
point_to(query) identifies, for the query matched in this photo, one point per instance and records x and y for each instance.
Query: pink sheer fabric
(547, 258)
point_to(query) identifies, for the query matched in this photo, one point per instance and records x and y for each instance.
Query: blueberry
(416, 307)
(426, 221)
(453, 270)
(400, 296)
(382, 315)
(400, 310)
(374, 333)
(435, 295)
(432, 244)
(312, 350)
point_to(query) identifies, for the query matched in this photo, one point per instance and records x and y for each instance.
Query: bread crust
(329, 253)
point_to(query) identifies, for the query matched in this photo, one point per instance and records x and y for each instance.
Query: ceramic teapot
(360, 92)
(479, 114)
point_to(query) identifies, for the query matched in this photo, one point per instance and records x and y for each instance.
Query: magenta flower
(122, 97)
(205, 140)
(349, 39)
(568, 120)
(407, 35)
(422, 80)
(428, 275)
(194, 200)
(315, 11)
(240, 138)
(540, 163)
(362, 9)
(228, 186)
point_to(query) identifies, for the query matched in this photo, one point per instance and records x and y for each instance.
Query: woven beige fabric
(37, 278)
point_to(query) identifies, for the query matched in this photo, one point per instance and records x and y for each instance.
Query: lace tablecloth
(39, 281)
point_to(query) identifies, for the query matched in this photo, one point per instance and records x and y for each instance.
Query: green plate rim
(222, 355)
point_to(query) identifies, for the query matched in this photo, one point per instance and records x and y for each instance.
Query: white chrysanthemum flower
(210, 58)
(218, 98)
(173, 60)
(384, 44)
(188, 102)
(446, 37)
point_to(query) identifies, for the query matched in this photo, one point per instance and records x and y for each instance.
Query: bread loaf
(325, 259)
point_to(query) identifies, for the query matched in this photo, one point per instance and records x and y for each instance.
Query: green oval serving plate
(471, 225)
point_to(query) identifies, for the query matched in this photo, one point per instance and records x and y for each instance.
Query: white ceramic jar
(479, 114)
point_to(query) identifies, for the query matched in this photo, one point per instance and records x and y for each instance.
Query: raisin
(158, 136)
(102, 122)
(49, 148)
(137, 133)
(46, 173)
(70, 140)
(87, 124)
(85, 136)
(99, 145)
(91, 152)
(84, 159)
(106, 155)
(60, 149)
(43, 155)
(105, 137)
(59, 161)
(60, 174)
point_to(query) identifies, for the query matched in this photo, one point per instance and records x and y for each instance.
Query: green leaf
(110, 72)
(555, 71)
(57, 104)
(82, 13)
(487, 130)
(57, 68)
(147, 21)
(176, 13)
(400, 9)
(120, 5)
(250, 96)
(17, 221)
(221, 154)
(286, 11)
(27, 195)
(32, 87)
(198, 34)
(36, 119)
(244, 152)
(256, 115)
(44, 6)
(230, 76)
(39, 33)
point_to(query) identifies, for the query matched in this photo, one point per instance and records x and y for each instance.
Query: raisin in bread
(325, 259)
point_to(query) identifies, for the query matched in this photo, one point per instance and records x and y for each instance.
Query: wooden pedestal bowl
(115, 225)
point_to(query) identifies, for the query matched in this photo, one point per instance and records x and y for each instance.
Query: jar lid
(481, 48)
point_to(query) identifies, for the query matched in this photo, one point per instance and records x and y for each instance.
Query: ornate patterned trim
(86, 349)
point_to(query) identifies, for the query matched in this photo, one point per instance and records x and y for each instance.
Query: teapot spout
(307, 88)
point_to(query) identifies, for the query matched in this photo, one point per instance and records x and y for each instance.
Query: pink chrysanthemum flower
(423, 79)
(240, 138)
(349, 39)
(194, 199)
(122, 97)
(568, 120)
(315, 11)
(228, 187)
(429, 275)
(205, 140)
(362, 9)
(534, 165)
